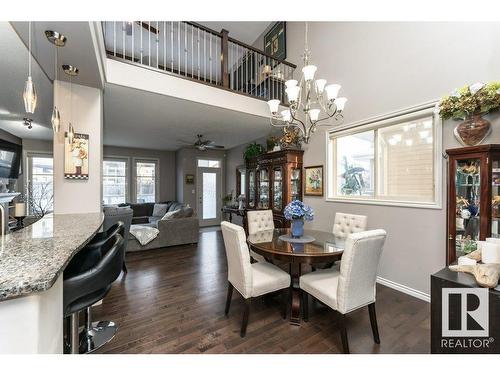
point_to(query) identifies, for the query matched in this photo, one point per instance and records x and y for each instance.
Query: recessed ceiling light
(409, 142)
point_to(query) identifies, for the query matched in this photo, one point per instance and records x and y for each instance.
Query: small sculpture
(486, 275)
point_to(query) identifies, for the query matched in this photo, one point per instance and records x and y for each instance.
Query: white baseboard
(404, 289)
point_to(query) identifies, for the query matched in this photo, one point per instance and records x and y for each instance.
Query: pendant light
(58, 40)
(71, 71)
(29, 94)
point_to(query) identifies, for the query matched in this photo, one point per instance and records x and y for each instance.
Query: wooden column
(224, 58)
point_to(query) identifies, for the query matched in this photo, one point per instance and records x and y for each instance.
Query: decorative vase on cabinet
(473, 198)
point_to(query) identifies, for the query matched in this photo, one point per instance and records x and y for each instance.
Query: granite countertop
(32, 258)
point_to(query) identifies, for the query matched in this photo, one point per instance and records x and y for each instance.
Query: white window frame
(393, 118)
(134, 176)
(126, 159)
(28, 173)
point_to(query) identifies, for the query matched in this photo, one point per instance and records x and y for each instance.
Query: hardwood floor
(172, 301)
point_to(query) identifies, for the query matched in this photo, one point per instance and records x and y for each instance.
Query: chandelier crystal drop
(29, 93)
(310, 101)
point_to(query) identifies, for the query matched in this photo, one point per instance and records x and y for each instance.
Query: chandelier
(310, 101)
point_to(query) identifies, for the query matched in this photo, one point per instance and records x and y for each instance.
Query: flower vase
(297, 228)
(473, 130)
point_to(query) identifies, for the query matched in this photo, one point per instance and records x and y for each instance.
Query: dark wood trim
(148, 27)
(204, 28)
(225, 59)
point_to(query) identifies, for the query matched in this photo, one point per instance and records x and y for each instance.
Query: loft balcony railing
(193, 51)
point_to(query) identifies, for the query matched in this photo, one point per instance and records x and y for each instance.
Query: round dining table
(323, 248)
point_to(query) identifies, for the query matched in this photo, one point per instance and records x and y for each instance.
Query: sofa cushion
(187, 212)
(175, 206)
(172, 215)
(153, 220)
(159, 210)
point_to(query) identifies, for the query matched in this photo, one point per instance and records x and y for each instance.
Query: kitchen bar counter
(32, 261)
(32, 258)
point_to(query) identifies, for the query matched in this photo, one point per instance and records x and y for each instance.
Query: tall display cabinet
(473, 198)
(274, 180)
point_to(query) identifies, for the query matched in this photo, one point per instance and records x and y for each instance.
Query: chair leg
(284, 302)
(373, 322)
(246, 313)
(305, 305)
(124, 267)
(229, 296)
(343, 334)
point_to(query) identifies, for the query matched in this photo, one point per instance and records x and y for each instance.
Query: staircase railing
(195, 52)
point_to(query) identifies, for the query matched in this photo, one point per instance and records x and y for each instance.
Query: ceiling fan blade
(215, 146)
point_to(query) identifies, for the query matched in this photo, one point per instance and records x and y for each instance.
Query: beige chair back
(239, 269)
(346, 224)
(259, 220)
(358, 269)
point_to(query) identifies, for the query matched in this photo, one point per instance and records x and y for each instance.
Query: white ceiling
(244, 31)
(78, 51)
(135, 118)
(13, 73)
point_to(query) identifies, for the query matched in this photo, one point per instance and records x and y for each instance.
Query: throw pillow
(187, 212)
(171, 215)
(159, 209)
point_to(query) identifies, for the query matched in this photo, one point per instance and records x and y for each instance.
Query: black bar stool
(87, 280)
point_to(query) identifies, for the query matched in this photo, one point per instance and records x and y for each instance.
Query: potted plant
(252, 150)
(297, 212)
(469, 104)
(271, 142)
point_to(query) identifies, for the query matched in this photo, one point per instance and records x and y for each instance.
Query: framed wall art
(275, 41)
(76, 157)
(313, 180)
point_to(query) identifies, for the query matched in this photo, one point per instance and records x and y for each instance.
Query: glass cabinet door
(264, 188)
(251, 188)
(467, 196)
(278, 188)
(495, 196)
(295, 184)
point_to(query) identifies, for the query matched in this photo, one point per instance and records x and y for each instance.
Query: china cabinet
(274, 180)
(473, 198)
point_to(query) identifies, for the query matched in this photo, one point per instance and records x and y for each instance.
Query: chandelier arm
(303, 127)
(280, 124)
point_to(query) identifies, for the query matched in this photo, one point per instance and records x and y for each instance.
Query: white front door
(209, 188)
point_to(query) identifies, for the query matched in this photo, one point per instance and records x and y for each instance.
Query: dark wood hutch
(473, 197)
(273, 180)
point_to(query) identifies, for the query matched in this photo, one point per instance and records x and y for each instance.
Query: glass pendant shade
(309, 71)
(292, 93)
(332, 91)
(29, 96)
(340, 102)
(291, 83)
(320, 85)
(56, 120)
(286, 115)
(71, 133)
(273, 105)
(314, 114)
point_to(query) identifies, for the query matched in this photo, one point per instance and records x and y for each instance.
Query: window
(114, 180)
(394, 161)
(40, 179)
(209, 163)
(145, 175)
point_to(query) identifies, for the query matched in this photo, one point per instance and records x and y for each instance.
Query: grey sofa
(172, 232)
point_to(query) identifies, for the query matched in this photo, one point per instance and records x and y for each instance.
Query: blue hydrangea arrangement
(298, 210)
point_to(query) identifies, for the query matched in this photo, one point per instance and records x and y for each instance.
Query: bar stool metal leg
(96, 334)
(75, 345)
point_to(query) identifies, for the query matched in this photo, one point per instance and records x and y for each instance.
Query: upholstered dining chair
(249, 279)
(345, 224)
(257, 221)
(353, 285)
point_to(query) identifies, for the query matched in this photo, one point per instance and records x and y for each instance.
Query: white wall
(384, 67)
(79, 196)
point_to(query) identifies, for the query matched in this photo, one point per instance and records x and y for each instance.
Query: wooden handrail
(204, 28)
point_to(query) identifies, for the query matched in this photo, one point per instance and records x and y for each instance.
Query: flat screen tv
(10, 158)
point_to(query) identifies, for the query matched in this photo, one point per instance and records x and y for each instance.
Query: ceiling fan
(203, 145)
